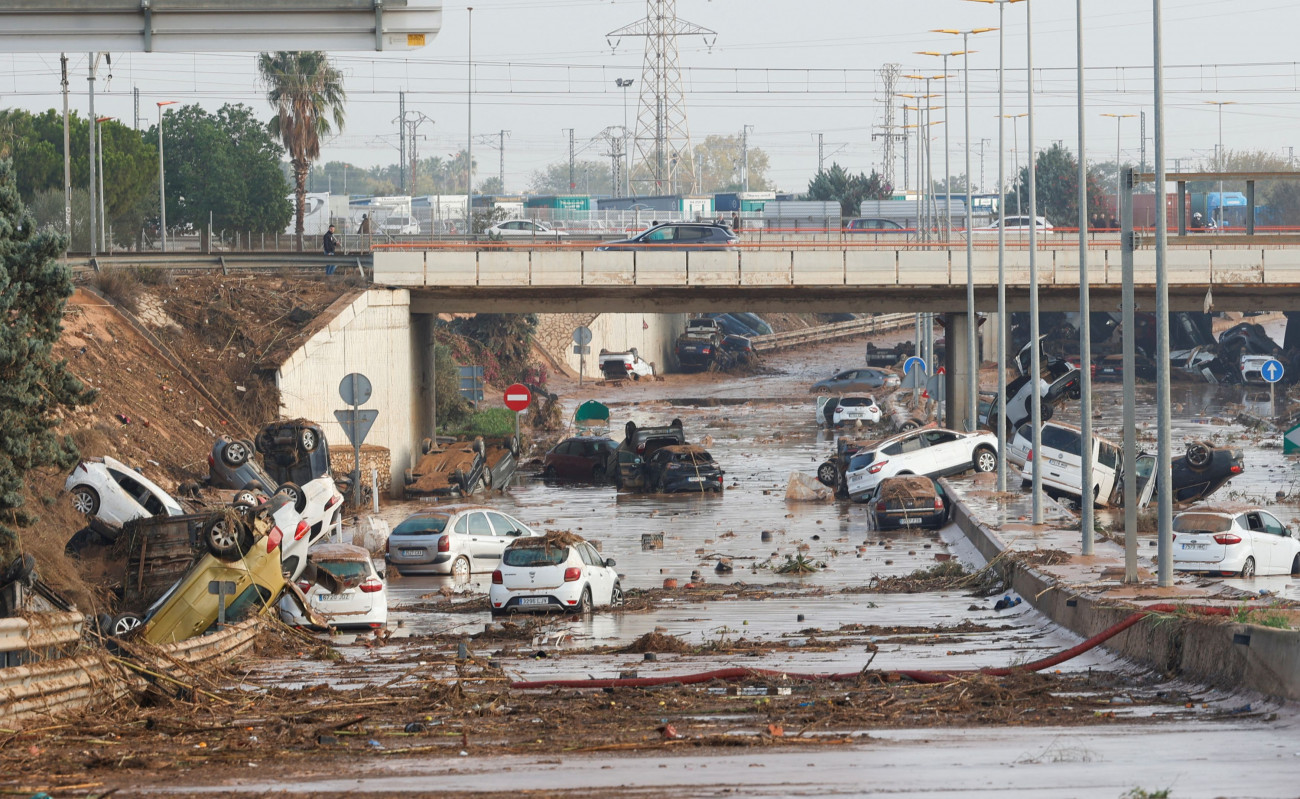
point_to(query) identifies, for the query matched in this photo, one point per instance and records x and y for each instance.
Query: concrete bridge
(1239, 276)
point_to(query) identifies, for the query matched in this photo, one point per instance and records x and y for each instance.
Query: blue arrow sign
(1271, 371)
(912, 363)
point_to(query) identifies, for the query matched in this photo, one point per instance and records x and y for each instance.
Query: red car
(580, 458)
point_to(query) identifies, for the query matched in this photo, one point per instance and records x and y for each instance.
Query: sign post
(581, 338)
(355, 390)
(1272, 371)
(518, 398)
(221, 589)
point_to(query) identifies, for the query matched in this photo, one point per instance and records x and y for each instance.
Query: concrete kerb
(1229, 656)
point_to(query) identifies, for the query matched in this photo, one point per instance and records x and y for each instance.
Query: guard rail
(837, 330)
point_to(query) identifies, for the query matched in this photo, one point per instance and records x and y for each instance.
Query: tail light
(938, 503)
(1227, 538)
(497, 579)
(1235, 469)
(640, 449)
(444, 544)
(627, 366)
(334, 500)
(706, 351)
(880, 507)
(839, 410)
(572, 573)
(876, 467)
(274, 538)
(301, 531)
(211, 462)
(1029, 456)
(371, 585)
(304, 586)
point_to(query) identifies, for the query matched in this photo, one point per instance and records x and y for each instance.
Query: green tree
(838, 185)
(591, 177)
(1057, 176)
(35, 389)
(492, 185)
(720, 161)
(226, 166)
(307, 93)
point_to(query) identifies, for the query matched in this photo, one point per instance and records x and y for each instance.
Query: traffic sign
(582, 336)
(355, 389)
(356, 424)
(1272, 370)
(518, 397)
(581, 349)
(1291, 441)
(914, 379)
(912, 363)
(937, 388)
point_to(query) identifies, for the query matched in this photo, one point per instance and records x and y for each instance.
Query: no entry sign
(518, 397)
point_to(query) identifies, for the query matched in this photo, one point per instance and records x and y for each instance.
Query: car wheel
(487, 478)
(512, 444)
(585, 604)
(616, 598)
(294, 492)
(1198, 455)
(460, 570)
(246, 498)
(1248, 568)
(597, 474)
(235, 454)
(226, 538)
(85, 500)
(828, 474)
(265, 442)
(1295, 566)
(986, 460)
(548, 473)
(458, 478)
(426, 446)
(124, 624)
(408, 476)
(309, 439)
(479, 446)
(908, 426)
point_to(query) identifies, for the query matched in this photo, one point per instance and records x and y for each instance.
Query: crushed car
(555, 572)
(625, 468)
(451, 468)
(909, 501)
(625, 365)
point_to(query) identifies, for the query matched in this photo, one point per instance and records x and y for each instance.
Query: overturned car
(451, 468)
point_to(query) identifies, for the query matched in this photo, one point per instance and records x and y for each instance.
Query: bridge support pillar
(958, 370)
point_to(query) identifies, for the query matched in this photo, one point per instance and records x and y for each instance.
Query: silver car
(458, 540)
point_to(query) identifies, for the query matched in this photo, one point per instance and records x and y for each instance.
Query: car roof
(1224, 509)
(589, 438)
(448, 510)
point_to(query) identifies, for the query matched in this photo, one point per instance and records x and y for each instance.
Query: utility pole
(90, 80)
(906, 161)
(135, 91)
(1142, 125)
(401, 140)
(889, 79)
(410, 130)
(982, 143)
(502, 167)
(67, 156)
(821, 154)
(744, 151)
(572, 177)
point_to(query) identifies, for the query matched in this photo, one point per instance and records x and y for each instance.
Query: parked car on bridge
(457, 540)
(874, 226)
(678, 236)
(116, 493)
(863, 379)
(555, 572)
(1017, 225)
(516, 228)
(1232, 541)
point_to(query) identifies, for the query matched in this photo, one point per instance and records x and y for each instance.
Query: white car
(1017, 225)
(622, 365)
(836, 411)
(524, 227)
(558, 571)
(1234, 541)
(116, 493)
(1019, 445)
(931, 452)
(319, 502)
(356, 596)
(400, 225)
(458, 540)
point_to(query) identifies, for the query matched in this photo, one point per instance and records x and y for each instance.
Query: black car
(1195, 475)
(1063, 382)
(909, 501)
(294, 451)
(231, 465)
(682, 467)
(639, 443)
(678, 236)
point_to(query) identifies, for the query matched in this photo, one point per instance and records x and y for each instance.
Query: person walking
(331, 245)
(735, 221)
(364, 227)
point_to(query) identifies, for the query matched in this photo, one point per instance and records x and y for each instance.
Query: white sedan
(836, 411)
(347, 590)
(558, 571)
(1234, 542)
(116, 493)
(1016, 225)
(931, 452)
(524, 227)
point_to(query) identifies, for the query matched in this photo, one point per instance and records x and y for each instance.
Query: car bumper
(687, 483)
(564, 598)
(341, 617)
(439, 563)
(894, 520)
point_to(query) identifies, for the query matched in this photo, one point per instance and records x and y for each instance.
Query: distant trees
(591, 177)
(224, 167)
(720, 162)
(307, 93)
(35, 388)
(838, 185)
(1057, 177)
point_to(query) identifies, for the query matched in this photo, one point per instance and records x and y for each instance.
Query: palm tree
(307, 93)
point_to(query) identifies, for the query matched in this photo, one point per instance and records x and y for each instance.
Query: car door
(502, 527)
(121, 505)
(945, 452)
(599, 576)
(562, 459)
(1273, 539)
(481, 542)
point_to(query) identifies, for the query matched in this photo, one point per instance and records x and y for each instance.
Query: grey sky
(789, 69)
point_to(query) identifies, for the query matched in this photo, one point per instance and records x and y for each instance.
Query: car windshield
(420, 525)
(856, 402)
(534, 556)
(1201, 523)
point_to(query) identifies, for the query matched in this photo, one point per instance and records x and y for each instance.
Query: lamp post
(1119, 177)
(99, 144)
(162, 180)
(624, 83)
(1002, 241)
(1219, 162)
(469, 123)
(928, 175)
(1085, 299)
(1015, 154)
(947, 170)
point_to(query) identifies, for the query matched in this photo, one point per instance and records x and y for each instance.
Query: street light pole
(103, 219)
(1085, 309)
(1219, 162)
(624, 83)
(162, 179)
(469, 122)
(1119, 173)
(1035, 348)
(1164, 450)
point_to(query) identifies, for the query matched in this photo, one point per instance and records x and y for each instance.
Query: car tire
(828, 474)
(616, 597)
(597, 475)
(123, 625)
(985, 460)
(585, 604)
(264, 442)
(309, 439)
(1248, 569)
(235, 454)
(512, 444)
(226, 538)
(479, 446)
(460, 570)
(1295, 566)
(246, 497)
(426, 446)
(909, 426)
(487, 477)
(1198, 455)
(548, 473)
(408, 476)
(85, 500)
(294, 491)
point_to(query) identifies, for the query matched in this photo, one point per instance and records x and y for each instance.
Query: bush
(491, 423)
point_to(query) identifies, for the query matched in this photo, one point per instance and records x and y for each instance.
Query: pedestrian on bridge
(331, 244)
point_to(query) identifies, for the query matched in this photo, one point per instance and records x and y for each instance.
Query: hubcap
(125, 625)
(309, 439)
(221, 536)
(82, 502)
(235, 451)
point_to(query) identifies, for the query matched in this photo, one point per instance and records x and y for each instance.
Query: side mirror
(609, 562)
(515, 533)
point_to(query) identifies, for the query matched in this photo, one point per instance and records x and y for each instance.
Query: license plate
(695, 479)
(1058, 464)
(333, 598)
(412, 553)
(534, 600)
(1195, 546)
(909, 521)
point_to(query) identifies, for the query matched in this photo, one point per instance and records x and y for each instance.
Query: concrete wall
(372, 336)
(653, 335)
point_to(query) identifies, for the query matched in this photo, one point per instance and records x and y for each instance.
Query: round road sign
(913, 363)
(355, 389)
(518, 397)
(1272, 370)
(582, 336)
